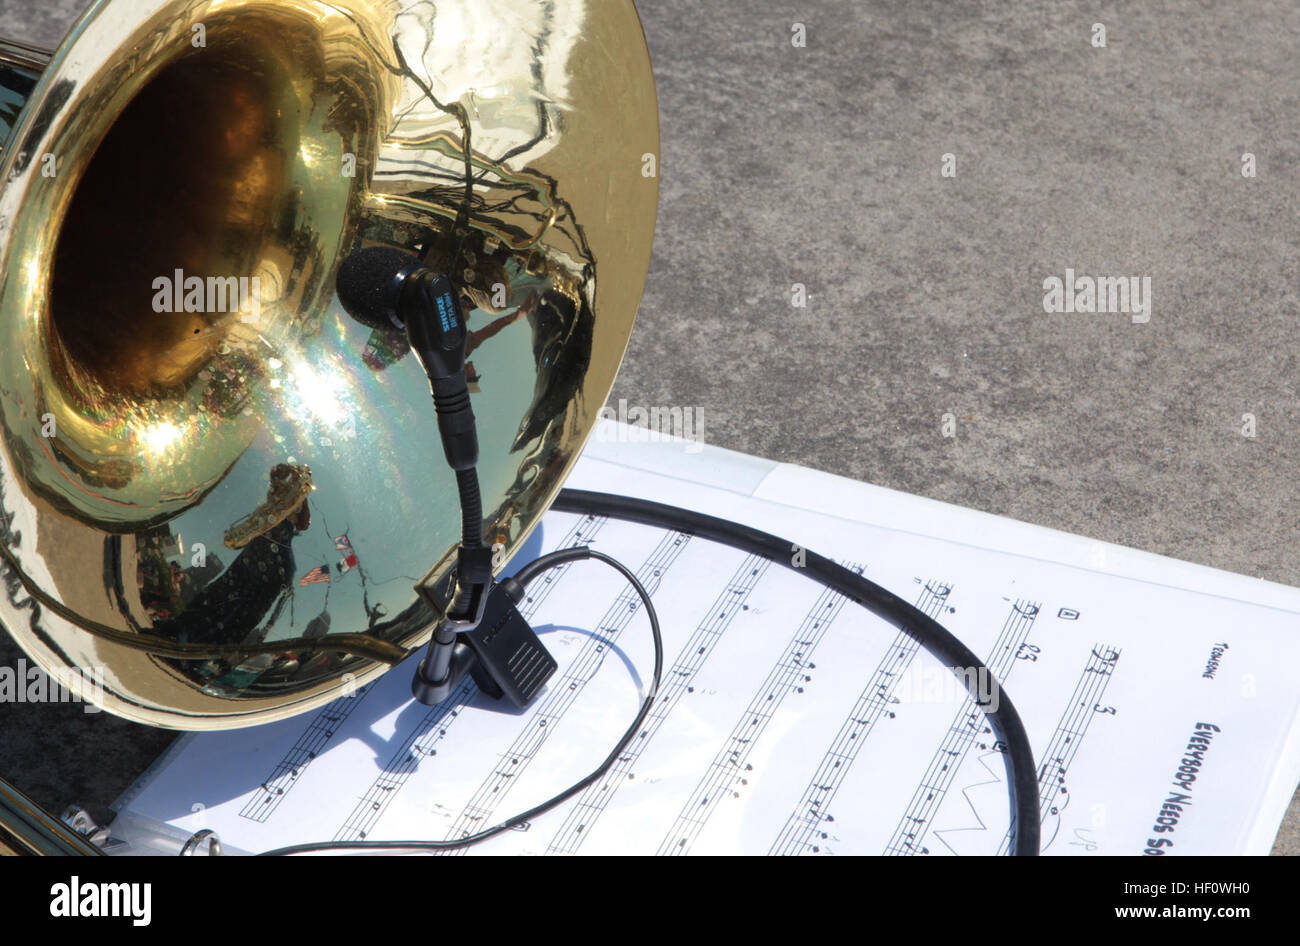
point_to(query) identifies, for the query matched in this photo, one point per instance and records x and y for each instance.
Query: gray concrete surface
(820, 166)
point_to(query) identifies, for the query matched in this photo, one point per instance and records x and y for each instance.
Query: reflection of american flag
(349, 559)
(316, 576)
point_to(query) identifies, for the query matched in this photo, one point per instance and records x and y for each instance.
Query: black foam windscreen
(370, 285)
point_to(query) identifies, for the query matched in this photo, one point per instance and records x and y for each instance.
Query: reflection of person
(496, 325)
(232, 608)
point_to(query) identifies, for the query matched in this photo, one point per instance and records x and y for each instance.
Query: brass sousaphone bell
(218, 493)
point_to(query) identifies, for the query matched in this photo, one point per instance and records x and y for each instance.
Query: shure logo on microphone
(1131, 294)
(78, 899)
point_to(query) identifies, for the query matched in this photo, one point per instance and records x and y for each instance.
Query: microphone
(385, 288)
(481, 632)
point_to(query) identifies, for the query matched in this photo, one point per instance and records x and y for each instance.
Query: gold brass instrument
(218, 493)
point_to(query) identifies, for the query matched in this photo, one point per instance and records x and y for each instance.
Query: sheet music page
(1158, 695)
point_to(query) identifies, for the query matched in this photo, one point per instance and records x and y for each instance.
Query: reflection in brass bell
(217, 492)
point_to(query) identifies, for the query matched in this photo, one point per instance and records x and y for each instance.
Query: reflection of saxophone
(289, 489)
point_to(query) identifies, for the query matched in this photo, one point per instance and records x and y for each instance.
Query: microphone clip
(491, 641)
(473, 582)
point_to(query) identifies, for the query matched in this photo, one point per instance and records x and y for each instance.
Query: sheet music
(789, 720)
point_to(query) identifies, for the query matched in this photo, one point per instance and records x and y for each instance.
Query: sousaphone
(218, 493)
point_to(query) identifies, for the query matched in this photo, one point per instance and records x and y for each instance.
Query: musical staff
(804, 826)
(677, 682)
(968, 724)
(563, 692)
(791, 671)
(1084, 706)
(311, 743)
(420, 745)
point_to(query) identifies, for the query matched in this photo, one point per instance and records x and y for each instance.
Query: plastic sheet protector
(1159, 696)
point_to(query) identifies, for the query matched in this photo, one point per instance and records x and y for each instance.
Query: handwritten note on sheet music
(1160, 700)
